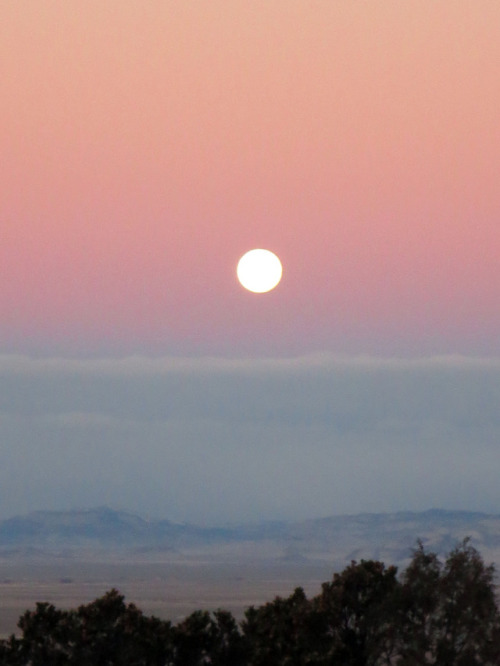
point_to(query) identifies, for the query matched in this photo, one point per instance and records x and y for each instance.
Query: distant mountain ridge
(102, 524)
(385, 536)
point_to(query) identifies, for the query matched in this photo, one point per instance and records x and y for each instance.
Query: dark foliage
(356, 610)
(447, 613)
(436, 614)
(104, 632)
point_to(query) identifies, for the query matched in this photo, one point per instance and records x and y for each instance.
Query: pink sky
(146, 145)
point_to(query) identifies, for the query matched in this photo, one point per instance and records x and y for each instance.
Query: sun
(259, 271)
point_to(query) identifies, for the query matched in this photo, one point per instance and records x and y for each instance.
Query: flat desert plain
(169, 590)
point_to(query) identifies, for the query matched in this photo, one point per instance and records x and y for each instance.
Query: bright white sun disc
(259, 271)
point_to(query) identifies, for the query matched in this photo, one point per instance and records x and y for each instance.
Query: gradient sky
(144, 147)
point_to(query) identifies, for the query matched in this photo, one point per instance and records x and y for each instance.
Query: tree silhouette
(356, 609)
(448, 612)
(205, 638)
(436, 614)
(282, 631)
(102, 633)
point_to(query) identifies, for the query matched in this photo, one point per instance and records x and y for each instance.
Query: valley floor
(167, 590)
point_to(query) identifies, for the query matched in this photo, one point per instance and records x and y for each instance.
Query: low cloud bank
(213, 440)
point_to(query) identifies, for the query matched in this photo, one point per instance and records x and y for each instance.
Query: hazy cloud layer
(210, 440)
